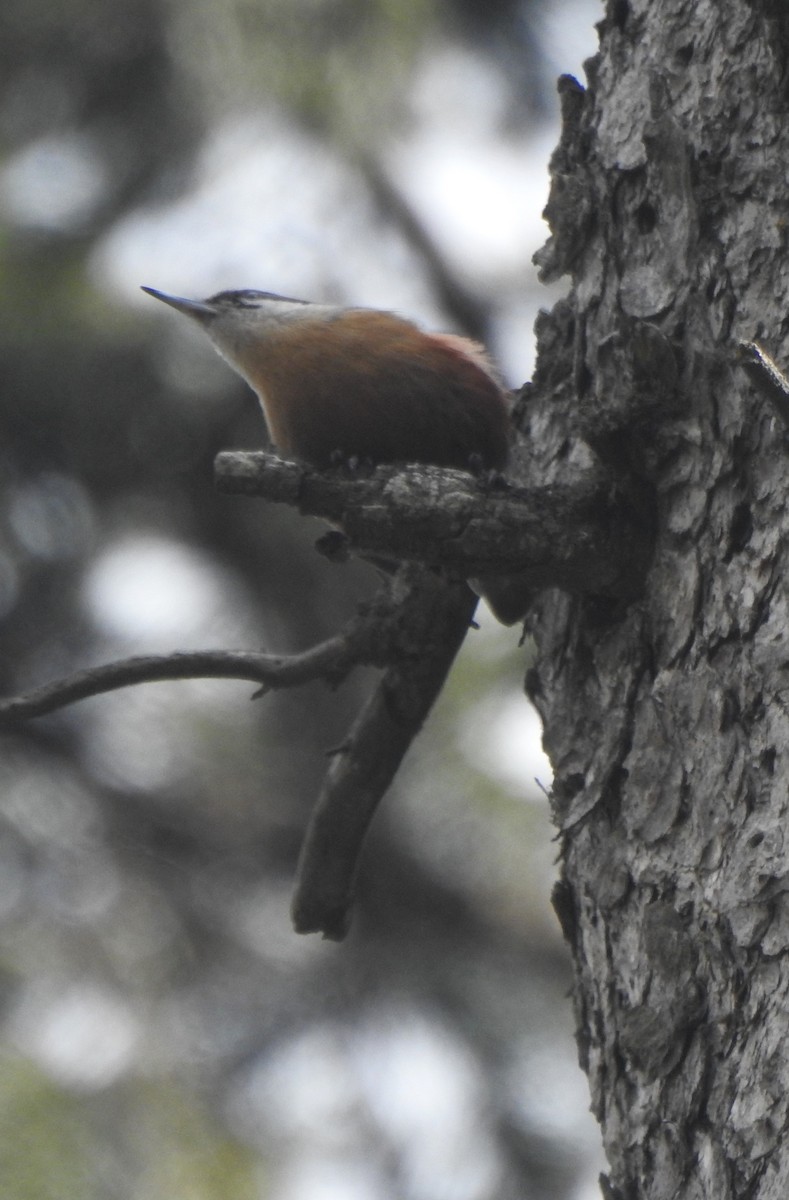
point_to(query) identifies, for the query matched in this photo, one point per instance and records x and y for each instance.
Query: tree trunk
(667, 720)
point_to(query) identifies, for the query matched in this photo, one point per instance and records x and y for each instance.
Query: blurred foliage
(150, 983)
(339, 66)
(55, 1145)
(41, 1139)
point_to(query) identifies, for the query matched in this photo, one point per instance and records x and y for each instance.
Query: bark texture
(668, 721)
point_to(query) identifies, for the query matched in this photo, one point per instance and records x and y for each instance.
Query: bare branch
(364, 640)
(414, 628)
(435, 617)
(582, 537)
(443, 526)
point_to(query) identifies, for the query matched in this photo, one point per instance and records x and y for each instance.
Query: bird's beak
(192, 308)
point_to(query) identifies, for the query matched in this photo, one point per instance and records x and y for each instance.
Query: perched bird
(355, 383)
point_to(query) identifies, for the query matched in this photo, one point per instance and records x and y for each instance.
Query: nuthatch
(342, 383)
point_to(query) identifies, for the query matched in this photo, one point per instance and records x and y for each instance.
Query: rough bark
(668, 723)
(580, 534)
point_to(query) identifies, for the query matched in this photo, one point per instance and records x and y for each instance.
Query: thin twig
(362, 641)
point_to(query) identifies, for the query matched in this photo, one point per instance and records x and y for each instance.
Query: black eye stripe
(248, 298)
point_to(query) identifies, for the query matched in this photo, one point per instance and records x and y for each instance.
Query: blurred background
(163, 1032)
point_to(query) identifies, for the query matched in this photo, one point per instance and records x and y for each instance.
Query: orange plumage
(358, 382)
(373, 386)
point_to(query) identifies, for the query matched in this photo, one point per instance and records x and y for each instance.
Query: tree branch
(582, 537)
(442, 526)
(435, 617)
(414, 628)
(365, 640)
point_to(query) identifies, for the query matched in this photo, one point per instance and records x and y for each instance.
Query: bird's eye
(252, 299)
(249, 298)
